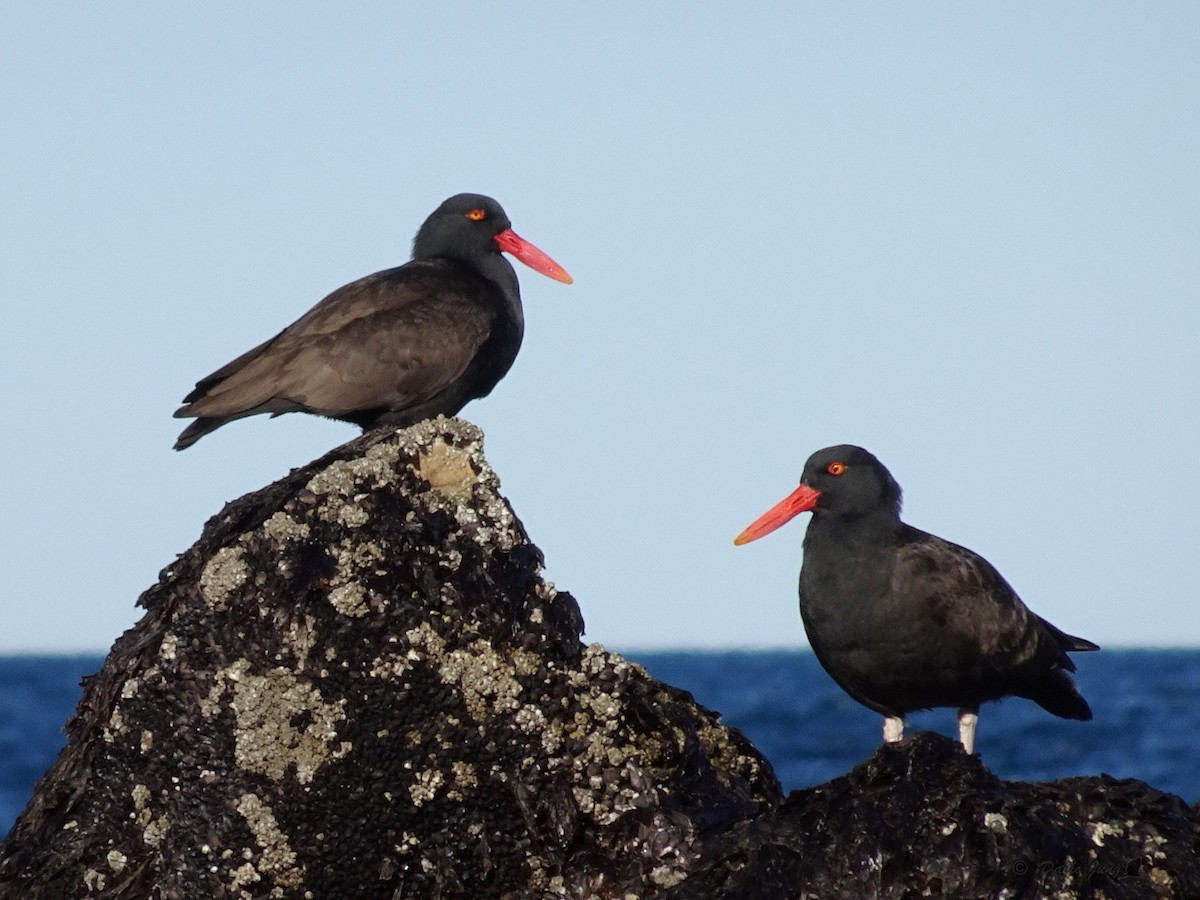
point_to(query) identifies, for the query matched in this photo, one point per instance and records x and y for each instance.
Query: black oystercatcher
(395, 347)
(904, 620)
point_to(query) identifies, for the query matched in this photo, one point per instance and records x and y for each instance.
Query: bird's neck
(847, 561)
(498, 270)
(875, 529)
(489, 264)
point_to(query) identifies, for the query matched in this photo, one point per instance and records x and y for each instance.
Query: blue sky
(963, 236)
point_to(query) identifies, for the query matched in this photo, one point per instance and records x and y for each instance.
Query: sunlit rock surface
(357, 684)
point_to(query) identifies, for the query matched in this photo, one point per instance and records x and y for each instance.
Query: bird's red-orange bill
(510, 242)
(800, 500)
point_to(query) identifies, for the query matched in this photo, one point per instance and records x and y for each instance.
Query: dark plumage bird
(904, 620)
(395, 347)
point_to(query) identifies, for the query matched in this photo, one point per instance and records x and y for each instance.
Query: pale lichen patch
(377, 467)
(116, 725)
(94, 880)
(350, 600)
(300, 635)
(351, 515)
(265, 740)
(283, 528)
(525, 662)
(141, 796)
(552, 740)
(464, 774)
(484, 677)
(427, 643)
(1100, 830)
(211, 704)
(1162, 878)
(391, 665)
(416, 438)
(278, 860)
(596, 659)
(337, 480)
(425, 786)
(530, 719)
(667, 876)
(355, 558)
(225, 573)
(714, 738)
(345, 478)
(995, 822)
(156, 831)
(240, 877)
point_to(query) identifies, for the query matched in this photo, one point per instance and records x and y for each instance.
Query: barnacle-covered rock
(358, 685)
(923, 819)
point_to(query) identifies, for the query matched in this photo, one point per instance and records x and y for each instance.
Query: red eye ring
(477, 215)
(836, 468)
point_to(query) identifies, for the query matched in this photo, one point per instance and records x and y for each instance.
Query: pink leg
(893, 729)
(967, 720)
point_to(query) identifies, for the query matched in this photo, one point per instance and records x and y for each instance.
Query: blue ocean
(1147, 705)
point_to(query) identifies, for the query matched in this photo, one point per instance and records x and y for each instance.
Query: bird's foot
(967, 720)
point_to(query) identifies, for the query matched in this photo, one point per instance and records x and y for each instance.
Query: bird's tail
(1065, 643)
(1077, 644)
(1058, 694)
(199, 429)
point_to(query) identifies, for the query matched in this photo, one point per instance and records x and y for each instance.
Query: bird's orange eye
(835, 468)
(477, 215)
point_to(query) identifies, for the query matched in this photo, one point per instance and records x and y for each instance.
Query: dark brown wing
(393, 340)
(988, 638)
(964, 595)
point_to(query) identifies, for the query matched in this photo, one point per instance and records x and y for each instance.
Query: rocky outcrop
(923, 819)
(357, 684)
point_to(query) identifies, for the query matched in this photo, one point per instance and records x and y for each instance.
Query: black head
(839, 483)
(852, 483)
(474, 229)
(463, 228)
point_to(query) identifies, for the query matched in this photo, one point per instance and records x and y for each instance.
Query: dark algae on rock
(358, 685)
